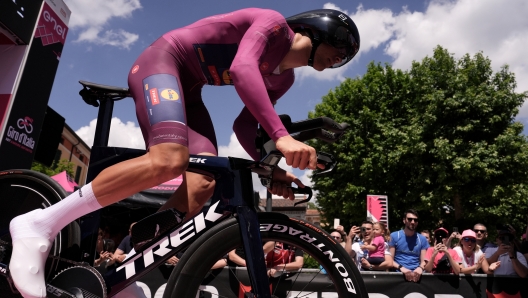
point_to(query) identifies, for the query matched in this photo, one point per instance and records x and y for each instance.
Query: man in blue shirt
(409, 247)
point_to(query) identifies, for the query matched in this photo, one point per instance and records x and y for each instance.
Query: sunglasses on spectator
(336, 237)
(411, 219)
(479, 231)
(467, 239)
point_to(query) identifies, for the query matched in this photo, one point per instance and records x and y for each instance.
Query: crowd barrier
(225, 282)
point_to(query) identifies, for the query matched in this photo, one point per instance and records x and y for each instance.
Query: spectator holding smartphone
(512, 262)
(441, 258)
(473, 258)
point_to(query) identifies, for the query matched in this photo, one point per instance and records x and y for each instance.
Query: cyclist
(253, 49)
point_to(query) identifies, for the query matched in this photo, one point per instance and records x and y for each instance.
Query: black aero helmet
(329, 26)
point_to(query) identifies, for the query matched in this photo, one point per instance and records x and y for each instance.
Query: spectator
(280, 258)
(441, 258)
(376, 248)
(379, 228)
(512, 262)
(360, 236)
(124, 247)
(336, 234)
(482, 237)
(283, 259)
(524, 244)
(473, 258)
(409, 248)
(427, 236)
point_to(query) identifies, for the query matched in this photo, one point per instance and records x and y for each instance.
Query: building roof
(284, 203)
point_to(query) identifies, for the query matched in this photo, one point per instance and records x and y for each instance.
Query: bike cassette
(81, 281)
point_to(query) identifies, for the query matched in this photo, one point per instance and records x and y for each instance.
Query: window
(56, 159)
(78, 174)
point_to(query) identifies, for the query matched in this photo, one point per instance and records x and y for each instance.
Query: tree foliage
(439, 137)
(61, 166)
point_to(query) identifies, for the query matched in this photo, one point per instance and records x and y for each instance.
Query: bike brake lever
(305, 190)
(327, 160)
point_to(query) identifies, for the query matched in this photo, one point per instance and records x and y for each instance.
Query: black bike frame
(233, 194)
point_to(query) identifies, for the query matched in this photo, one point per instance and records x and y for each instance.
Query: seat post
(104, 119)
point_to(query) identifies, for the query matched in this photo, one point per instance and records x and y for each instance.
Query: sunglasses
(412, 219)
(467, 239)
(479, 231)
(336, 237)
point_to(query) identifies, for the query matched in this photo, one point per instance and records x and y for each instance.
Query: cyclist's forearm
(245, 128)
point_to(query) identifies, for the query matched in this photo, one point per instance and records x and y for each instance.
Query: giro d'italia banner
(30, 52)
(377, 209)
(233, 282)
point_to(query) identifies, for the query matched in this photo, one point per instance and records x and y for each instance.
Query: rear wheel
(342, 278)
(22, 191)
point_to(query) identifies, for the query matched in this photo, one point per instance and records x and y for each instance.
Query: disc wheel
(342, 278)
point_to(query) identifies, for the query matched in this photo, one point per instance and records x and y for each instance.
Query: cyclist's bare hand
(297, 154)
(282, 181)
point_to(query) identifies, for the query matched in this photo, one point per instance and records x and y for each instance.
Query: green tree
(439, 137)
(62, 165)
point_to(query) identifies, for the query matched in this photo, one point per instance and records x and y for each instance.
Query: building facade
(73, 149)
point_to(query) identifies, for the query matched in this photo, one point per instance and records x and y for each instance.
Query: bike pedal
(154, 225)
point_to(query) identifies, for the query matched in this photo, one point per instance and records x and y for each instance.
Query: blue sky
(106, 36)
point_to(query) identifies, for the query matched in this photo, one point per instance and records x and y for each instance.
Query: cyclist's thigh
(155, 85)
(202, 138)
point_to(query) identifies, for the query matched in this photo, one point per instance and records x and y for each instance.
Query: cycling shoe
(147, 229)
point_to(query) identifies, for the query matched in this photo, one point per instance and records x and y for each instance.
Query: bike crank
(81, 281)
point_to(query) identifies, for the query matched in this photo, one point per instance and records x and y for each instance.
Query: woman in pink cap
(473, 259)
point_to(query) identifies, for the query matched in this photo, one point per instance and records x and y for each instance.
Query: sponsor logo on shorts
(154, 96)
(170, 136)
(169, 94)
(135, 69)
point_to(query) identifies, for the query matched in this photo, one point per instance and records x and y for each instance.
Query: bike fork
(250, 229)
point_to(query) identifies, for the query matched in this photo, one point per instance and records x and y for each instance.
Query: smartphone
(363, 229)
(455, 230)
(336, 222)
(506, 240)
(438, 239)
(108, 245)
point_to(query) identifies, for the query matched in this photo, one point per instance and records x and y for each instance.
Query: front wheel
(342, 278)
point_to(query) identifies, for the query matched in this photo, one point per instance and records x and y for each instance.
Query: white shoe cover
(27, 266)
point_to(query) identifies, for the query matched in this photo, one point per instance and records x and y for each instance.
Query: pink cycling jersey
(243, 48)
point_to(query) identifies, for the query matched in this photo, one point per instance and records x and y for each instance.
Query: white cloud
(465, 26)
(91, 17)
(121, 134)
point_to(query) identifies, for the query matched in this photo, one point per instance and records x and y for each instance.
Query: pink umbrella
(65, 181)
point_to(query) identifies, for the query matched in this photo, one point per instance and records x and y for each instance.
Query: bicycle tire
(196, 263)
(22, 191)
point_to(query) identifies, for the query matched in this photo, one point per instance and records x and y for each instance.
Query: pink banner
(377, 208)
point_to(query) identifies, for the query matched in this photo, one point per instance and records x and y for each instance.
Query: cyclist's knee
(206, 183)
(168, 160)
